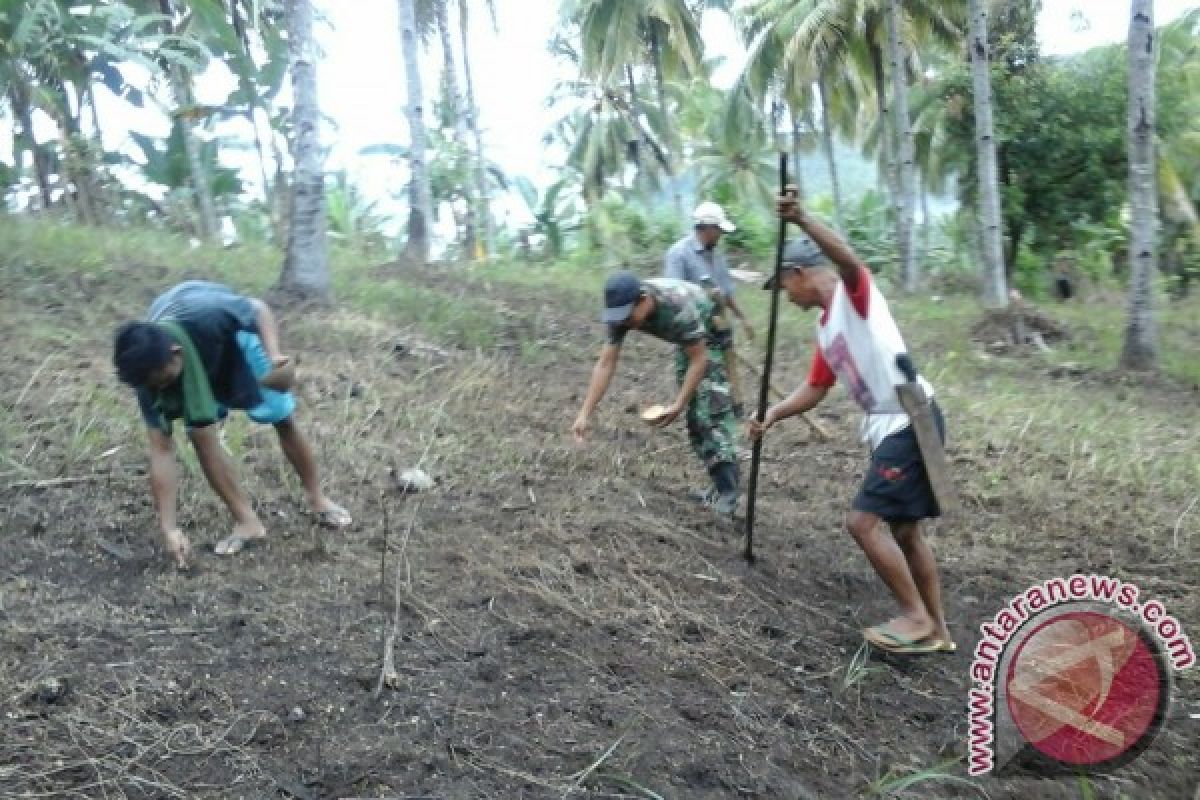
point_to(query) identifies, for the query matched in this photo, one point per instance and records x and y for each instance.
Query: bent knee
(861, 524)
(906, 534)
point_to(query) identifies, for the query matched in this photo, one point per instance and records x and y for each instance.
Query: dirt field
(567, 623)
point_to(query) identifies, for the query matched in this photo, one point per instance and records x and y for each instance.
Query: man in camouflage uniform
(682, 314)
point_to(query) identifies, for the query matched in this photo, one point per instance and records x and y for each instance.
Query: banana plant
(555, 211)
(53, 54)
(352, 217)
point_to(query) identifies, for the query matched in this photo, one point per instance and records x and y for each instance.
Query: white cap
(712, 214)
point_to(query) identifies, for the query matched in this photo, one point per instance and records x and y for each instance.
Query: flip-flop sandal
(335, 518)
(925, 647)
(901, 645)
(234, 544)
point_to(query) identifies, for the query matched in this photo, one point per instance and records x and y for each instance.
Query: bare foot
(905, 629)
(329, 513)
(244, 533)
(178, 547)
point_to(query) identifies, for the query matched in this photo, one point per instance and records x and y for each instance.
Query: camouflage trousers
(711, 424)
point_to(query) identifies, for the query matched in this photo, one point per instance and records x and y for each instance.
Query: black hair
(139, 348)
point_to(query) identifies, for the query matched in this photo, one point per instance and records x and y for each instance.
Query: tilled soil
(565, 621)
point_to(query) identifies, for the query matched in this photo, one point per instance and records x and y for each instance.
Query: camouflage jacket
(683, 313)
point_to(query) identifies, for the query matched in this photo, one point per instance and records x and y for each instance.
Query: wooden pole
(765, 384)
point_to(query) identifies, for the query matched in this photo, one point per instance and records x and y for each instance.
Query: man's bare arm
(833, 246)
(268, 332)
(164, 485)
(164, 479)
(805, 398)
(697, 363)
(602, 374)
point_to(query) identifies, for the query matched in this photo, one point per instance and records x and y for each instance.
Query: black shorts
(896, 487)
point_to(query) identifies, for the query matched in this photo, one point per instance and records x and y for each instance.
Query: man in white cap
(695, 259)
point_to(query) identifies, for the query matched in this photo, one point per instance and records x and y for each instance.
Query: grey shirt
(688, 260)
(212, 315)
(195, 298)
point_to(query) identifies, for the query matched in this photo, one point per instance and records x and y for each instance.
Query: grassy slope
(1127, 437)
(1067, 450)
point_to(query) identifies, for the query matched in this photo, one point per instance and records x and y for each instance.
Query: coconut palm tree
(830, 111)
(901, 124)
(606, 129)
(816, 40)
(1139, 351)
(619, 36)
(995, 292)
(420, 217)
(1179, 144)
(305, 274)
(455, 116)
(471, 112)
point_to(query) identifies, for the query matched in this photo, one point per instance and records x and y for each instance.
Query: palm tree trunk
(472, 114)
(97, 133)
(887, 136)
(905, 198)
(671, 144)
(199, 175)
(830, 157)
(420, 216)
(995, 289)
(19, 97)
(1140, 350)
(305, 276)
(926, 221)
(454, 102)
(74, 162)
(797, 175)
(636, 115)
(181, 89)
(101, 204)
(252, 118)
(636, 109)
(1183, 211)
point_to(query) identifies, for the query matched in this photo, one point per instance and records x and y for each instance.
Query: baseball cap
(712, 214)
(798, 254)
(621, 292)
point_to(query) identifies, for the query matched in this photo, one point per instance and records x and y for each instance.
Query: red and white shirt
(857, 342)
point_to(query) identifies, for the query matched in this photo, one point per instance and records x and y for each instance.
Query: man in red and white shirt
(857, 343)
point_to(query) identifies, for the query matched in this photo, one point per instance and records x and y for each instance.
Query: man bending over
(203, 350)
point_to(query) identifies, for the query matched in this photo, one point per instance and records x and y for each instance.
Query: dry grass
(561, 622)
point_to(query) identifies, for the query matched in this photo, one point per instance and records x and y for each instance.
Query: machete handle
(905, 365)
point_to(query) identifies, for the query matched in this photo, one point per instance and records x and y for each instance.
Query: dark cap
(798, 254)
(621, 292)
